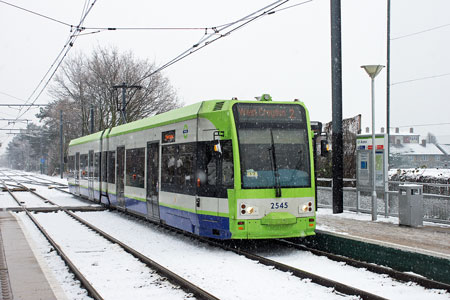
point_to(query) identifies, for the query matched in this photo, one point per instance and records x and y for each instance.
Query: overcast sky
(286, 54)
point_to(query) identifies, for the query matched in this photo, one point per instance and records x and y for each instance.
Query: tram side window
(112, 167)
(185, 166)
(97, 157)
(77, 165)
(91, 164)
(168, 165)
(215, 169)
(104, 157)
(227, 164)
(71, 166)
(84, 166)
(135, 167)
(177, 172)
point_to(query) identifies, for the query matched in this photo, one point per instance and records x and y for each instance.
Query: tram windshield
(273, 145)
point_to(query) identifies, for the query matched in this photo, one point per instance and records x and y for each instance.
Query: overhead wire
(144, 28)
(272, 12)
(111, 28)
(413, 34)
(419, 32)
(6, 94)
(36, 13)
(419, 125)
(208, 39)
(419, 79)
(204, 40)
(56, 63)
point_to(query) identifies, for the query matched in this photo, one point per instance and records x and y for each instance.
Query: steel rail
(337, 286)
(56, 209)
(171, 276)
(323, 281)
(401, 276)
(186, 285)
(40, 178)
(84, 282)
(48, 180)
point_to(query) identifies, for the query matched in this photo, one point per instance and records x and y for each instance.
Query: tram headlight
(307, 207)
(248, 210)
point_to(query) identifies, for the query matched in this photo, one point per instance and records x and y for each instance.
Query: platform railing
(436, 199)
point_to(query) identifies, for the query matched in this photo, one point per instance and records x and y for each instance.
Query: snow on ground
(114, 273)
(25, 198)
(69, 285)
(61, 198)
(7, 201)
(415, 174)
(362, 217)
(222, 273)
(377, 284)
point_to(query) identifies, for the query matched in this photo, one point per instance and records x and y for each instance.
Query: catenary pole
(61, 146)
(92, 119)
(124, 103)
(337, 139)
(124, 87)
(388, 79)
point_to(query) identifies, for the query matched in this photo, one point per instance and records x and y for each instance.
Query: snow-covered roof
(416, 149)
(403, 134)
(445, 148)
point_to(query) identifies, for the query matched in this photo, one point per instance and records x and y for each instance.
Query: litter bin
(410, 205)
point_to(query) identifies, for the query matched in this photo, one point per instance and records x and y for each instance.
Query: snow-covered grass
(419, 174)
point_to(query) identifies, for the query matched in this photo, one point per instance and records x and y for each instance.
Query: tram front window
(260, 165)
(273, 146)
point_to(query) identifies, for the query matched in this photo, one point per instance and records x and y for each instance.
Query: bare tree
(84, 82)
(88, 82)
(350, 128)
(431, 138)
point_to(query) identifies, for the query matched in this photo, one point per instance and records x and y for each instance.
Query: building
(415, 155)
(398, 138)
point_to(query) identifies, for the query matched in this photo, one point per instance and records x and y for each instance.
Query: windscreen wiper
(274, 166)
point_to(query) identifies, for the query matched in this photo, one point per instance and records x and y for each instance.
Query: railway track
(175, 279)
(339, 288)
(400, 276)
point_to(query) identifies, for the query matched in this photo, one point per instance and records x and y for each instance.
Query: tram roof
(188, 112)
(176, 115)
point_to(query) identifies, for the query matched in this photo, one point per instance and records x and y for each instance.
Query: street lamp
(373, 71)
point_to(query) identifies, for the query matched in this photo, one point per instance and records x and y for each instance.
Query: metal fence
(436, 199)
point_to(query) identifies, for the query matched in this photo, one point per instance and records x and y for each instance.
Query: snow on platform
(26, 276)
(430, 239)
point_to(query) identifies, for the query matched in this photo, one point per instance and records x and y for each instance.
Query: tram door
(120, 183)
(152, 180)
(91, 175)
(77, 173)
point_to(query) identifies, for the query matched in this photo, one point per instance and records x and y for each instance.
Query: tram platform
(423, 250)
(20, 267)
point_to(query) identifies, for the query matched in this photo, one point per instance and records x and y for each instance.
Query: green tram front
(274, 188)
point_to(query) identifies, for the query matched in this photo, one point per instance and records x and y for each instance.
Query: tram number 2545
(278, 205)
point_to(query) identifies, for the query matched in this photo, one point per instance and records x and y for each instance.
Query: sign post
(366, 176)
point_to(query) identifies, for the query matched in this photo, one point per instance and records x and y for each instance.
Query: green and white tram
(224, 169)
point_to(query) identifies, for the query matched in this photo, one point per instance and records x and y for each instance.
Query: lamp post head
(373, 70)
